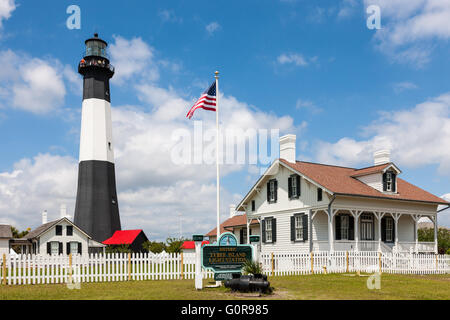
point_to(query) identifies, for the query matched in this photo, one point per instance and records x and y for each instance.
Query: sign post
(254, 241)
(198, 264)
(226, 258)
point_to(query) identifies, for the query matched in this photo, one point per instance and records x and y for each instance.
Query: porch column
(330, 230)
(379, 216)
(396, 218)
(416, 218)
(248, 230)
(356, 214)
(435, 234)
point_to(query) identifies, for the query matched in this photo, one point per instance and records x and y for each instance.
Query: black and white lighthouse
(97, 208)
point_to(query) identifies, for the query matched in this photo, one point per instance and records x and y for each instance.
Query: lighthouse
(97, 208)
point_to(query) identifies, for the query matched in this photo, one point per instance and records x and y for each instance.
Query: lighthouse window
(109, 145)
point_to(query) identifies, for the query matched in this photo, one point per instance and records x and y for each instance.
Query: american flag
(207, 101)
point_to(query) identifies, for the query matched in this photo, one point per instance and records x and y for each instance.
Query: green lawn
(332, 286)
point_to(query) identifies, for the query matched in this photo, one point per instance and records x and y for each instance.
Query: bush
(448, 251)
(123, 248)
(174, 245)
(154, 246)
(427, 234)
(251, 267)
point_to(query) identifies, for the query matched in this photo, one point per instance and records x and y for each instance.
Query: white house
(239, 225)
(306, 207)
(57, 237)
(5, 237)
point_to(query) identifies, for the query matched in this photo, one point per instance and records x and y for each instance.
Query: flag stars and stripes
(207, 101)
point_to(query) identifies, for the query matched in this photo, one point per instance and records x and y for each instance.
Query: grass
(331, 286)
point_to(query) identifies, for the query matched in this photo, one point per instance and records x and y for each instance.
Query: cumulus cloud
(133, 58)
(33, 84)
(152, 188)
(409, 27)
(418, 136)
(6, 9)
(402, 86)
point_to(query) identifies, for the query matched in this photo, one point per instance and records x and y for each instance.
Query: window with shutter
(58, 230)
(268, 230)
(299, 228)
(69, 231)
(294, 186)
(272, 191)
(319, 194)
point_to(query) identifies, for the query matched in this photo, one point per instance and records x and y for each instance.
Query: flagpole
(217, 155)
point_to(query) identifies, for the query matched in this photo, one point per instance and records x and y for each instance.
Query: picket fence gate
(46, 269)
(283, 264)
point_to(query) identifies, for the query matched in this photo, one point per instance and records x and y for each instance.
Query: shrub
(251, 267)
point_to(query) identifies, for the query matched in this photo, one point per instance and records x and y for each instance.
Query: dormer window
(389, 181)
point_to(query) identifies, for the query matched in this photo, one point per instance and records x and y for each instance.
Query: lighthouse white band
(96, 131)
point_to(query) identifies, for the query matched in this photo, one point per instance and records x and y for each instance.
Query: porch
(366, 229)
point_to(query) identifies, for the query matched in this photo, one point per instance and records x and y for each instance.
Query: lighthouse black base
(97, 210)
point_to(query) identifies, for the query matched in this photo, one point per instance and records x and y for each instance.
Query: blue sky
(310, 68)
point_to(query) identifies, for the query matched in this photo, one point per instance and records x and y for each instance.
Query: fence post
(379, 261)
(272, 262)
(182, 266)
(129, 266)
(312, 262)
(70, 269)
(346, 262)
(4, 269)
(437, 265)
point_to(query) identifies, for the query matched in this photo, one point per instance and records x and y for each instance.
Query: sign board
(227, 257)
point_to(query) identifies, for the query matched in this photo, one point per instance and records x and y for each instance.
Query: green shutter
(384, 182)
(79, 248)
(268, 192)
(49, 248)
(67, 247)
(274, 230)
(293, 228)
(60, 251)
(383, 229)
(290, 195)
(351, 228)
(298, 187)
(276, 190)
(338, 227)
(263, 231)
(305, 227)
(394, 182)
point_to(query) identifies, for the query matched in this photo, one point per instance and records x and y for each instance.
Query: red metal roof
(191, 244)
(236, 221)
(122, 237)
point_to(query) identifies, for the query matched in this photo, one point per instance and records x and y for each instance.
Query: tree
(16, 234)
(174, 245)
(154, 246)
(427, 235)
(122, 248)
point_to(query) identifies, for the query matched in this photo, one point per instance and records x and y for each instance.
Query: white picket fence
(46, 269)
(282, 264)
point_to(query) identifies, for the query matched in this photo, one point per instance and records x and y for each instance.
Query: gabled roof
(340, 181)
(5, 232)
(375, 169)
(123, 237)
(191, 244)
(43, 228)
(236, 221)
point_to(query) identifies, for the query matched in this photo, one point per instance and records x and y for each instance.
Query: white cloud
(32, 84)
(307, 105)
(169, 16)
(417, 137)
(402, 86)
(133, 58)
(410, 27)
(6, 9)
(347, 8)
(293, 58)
(212, 27)
(152, 189)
